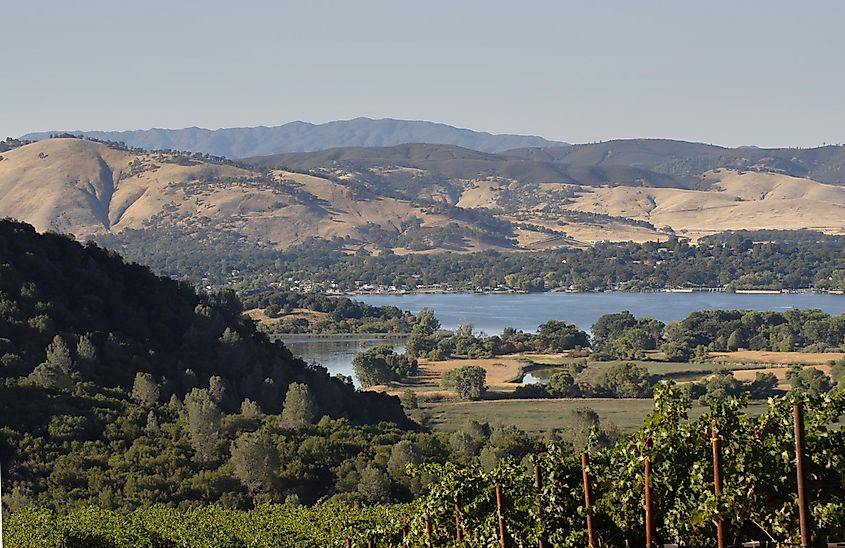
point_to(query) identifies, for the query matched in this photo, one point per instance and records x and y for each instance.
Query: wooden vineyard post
(405, 533)
(588, 499)
(649, 517)
(500, 505)
(428, 529)
(348, 543)
(538, 486)
(458, 533)
(370, 543)
(803, 505)
(717, 484)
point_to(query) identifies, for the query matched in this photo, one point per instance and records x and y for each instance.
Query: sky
(766, 73)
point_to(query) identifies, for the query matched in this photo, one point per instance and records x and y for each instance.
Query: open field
(779, 372)
(440, 410)
(540, 416)
(677, 371)
(259, 316)
(504, 373)
(786, 358)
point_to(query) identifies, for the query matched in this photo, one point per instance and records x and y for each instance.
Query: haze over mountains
(305, 137)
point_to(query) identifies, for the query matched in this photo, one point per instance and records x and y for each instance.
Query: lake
(492, 313)
(336, 353)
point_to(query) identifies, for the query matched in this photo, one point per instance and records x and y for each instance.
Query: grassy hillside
(190, 213)
(92, 189)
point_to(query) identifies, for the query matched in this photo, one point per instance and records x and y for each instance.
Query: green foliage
(724, 330)
(381, 365)
(777, 260)
(255, 460)
(409, 399)
(204, 424)
(757, 501)
(267, 526)
(552, 337)
(626, 380)
(557, 336)
(300, 407)
(72, 315)
(145, 390)
(837, 372)
(623, 336)
(808, 380)
(90, 346)
(470, 381)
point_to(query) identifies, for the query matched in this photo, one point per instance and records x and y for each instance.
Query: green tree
(87, 355)
(374, 485)
(381, 365)
(55, 372)
(735, 341)
(52, 377)
(145, 390)
(58, 354)
(402, 453)
(563, 384)
(764, 385)
(421, 340)
(626, 380)
(203, 424)
(558, 336)
(721, 385)
(609, 327)
(578, 428)
(255, 460)
(808, 380)
(409, 399)
(470, 381)
(300, 408)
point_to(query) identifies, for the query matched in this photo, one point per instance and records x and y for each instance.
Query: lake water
(336, 353)
(492, 313)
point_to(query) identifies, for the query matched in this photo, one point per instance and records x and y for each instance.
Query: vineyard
(656, 487)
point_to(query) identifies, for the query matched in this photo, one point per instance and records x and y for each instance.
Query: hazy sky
(729, 72)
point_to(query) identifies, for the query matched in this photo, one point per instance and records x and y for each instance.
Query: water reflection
(336, 353)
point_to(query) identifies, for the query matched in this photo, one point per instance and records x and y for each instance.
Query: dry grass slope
(86, 188)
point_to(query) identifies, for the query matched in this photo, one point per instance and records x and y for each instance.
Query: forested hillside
(123, 388)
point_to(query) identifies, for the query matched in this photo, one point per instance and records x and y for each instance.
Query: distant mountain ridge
(306, 137)
(685, 159)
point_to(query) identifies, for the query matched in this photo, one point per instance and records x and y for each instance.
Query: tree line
(734, 261)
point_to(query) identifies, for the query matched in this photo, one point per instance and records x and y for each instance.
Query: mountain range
(306, 137)
(412, 198)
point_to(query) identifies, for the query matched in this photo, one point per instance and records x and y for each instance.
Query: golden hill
(737, 200)
(87, 188)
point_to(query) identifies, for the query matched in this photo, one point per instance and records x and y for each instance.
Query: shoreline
(339, 336)
(682, 291)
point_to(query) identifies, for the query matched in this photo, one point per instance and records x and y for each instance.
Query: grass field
(442, 411)
(772, 358)
(677, 371)
(546, 415)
